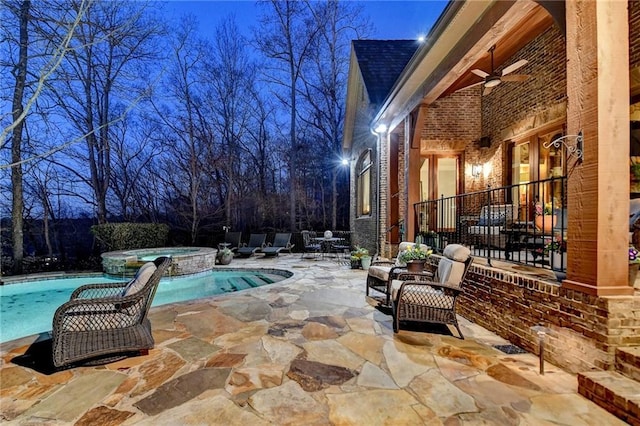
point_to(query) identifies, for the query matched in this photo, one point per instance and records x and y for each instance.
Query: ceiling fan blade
(471, 85)
(511, 68)
(515, 77)
(487, 90)
(480, 73)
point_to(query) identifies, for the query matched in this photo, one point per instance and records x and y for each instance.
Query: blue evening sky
(392, 19)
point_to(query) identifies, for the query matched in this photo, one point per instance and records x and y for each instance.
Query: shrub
(128, 236)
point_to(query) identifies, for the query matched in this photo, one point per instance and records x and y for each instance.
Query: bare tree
(100, 75)
(20, 74)
(325, 81)
(187, 131)
(286, 36)
(230, 72)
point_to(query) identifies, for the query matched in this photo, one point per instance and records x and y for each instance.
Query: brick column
(598, 188)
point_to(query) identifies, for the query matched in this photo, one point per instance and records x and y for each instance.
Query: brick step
(628, 362)
(614, 392)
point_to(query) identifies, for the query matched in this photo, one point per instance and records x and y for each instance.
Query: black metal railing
(524, 223)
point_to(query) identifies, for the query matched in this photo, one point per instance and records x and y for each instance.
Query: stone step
(628, 362)
(614, 392)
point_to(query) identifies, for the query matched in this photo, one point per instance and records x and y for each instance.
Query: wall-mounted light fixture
(380, 128)
(476, 170)
(572, 149)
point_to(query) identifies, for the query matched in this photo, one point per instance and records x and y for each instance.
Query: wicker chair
(382, 272)
(102, 323)
(417, 297)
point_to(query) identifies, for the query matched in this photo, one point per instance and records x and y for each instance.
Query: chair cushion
(380, 272)
(456, 252)
(140, 279)
(437, 303)
(450, 272)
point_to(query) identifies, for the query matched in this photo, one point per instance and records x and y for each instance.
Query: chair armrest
(415, 276)
(383, 263)
(446, 289)
(101, 290)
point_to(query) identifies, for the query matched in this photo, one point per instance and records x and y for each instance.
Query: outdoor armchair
(419, 297)
(103, 323)
(309, 244)
(382, 272)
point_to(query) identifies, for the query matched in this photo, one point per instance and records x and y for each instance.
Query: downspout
(380, 132)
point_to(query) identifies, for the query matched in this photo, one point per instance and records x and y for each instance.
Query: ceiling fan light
(492, 82)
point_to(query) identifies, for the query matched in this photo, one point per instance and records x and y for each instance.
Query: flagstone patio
(311, 350)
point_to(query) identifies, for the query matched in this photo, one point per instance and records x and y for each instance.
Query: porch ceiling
(529, 27)
(446, 65)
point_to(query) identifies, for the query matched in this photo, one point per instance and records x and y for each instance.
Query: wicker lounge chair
(382, 272)
(282, 241)
(102, 323)
(231, 241)
(418, 297)
(256, 243)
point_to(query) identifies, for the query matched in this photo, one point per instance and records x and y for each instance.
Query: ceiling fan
(493, 79)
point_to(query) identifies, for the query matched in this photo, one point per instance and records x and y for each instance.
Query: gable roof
(381, 62)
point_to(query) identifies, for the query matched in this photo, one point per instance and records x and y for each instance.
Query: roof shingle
(381, 63)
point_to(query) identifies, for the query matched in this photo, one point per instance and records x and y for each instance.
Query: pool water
(27, 308)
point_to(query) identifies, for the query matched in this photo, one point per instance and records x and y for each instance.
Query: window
(364, 184)
(535, 158)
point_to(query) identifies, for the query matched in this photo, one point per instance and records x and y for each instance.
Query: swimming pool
(27, 308)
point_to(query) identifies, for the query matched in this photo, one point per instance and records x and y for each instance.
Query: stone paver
(310, 350)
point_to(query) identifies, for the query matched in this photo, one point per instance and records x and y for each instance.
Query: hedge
(129, 236)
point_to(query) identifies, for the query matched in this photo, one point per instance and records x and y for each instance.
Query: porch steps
(618, 391)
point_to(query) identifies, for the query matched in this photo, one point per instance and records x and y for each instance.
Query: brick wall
(634, 34)
(363, 228)
(511, 105)
(585, 330)
(456, 117)
(454, 124)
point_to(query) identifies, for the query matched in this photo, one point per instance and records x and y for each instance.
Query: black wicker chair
(418, 297)
(102, 323)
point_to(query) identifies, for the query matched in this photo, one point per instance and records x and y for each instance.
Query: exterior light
(381, 128)
(492, 81)
(542, 332)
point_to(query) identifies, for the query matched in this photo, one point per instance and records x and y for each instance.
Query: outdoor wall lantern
(476, 170)
(575, 149)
